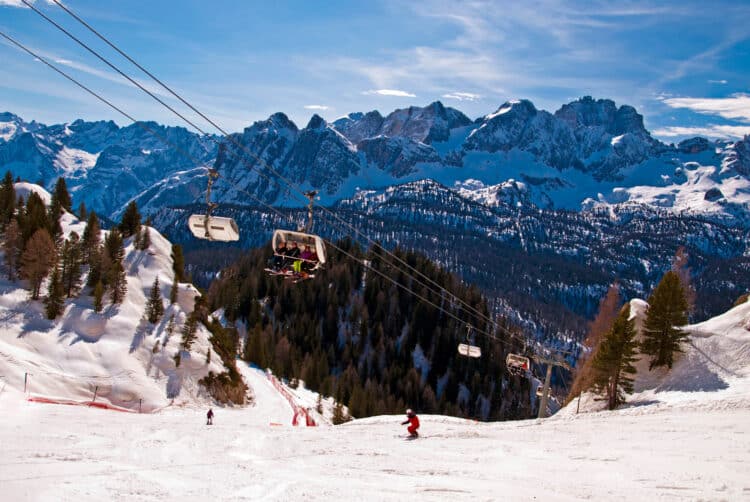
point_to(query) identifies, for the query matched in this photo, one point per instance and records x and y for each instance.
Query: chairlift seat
(302, 240)
(514, 362)
(469, 350)
(219, 228)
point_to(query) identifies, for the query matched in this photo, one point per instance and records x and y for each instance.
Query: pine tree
(169, 330)
(38, 258)
(62, 195)
(12, 244)
(667, 310)
(82, 214)
(95, 259)
(54, 302)
(7, 200)
(173, 292)
(116, 280)
(189, 332)
(34, 217)
(178, 263)
(154, 305)
(91, 237)
(605, 317)
(98, 296)
(71, 265)
(145, 240)
(131, 220)
(613, 363)
(208, 356)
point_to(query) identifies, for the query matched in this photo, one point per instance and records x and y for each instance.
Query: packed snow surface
(684, 434)
(691, 443)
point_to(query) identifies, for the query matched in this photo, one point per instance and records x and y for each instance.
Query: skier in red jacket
(413, 421)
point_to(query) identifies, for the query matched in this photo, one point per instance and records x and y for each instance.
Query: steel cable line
(104, 60)
(275, 210)
(97, 96)
(489, 321)
(470, 308)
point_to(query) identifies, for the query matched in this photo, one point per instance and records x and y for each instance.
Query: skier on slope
(413, 421)
(210, 417)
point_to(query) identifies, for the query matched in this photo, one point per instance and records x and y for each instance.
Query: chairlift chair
(213, 228)
(468, 349)
(517, 364)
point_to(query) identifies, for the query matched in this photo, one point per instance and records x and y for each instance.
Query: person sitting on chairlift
(278, 259)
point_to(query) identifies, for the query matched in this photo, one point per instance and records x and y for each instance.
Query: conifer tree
(71, 265)
(145, 241)
(115, 272)
(189, 332)
(605, 317)
(131, 220)
(95, 258)
(178, 263)
(54, 302)
(667, 310)
(54, 211)
(34, 217)
(62, 195)
(7, 200)
(38, 258)
(173, 292)
(98, 296)
(613, 363)
(169, 330)
(82, 214)
(154, 305)
(91, 237)
(12, 246)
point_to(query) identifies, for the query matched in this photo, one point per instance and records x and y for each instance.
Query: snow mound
(115, 355)
(713, 372)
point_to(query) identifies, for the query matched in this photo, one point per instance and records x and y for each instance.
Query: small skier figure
(413, 421)
(210, 417)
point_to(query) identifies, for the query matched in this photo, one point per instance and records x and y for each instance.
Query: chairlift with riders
(297, 254)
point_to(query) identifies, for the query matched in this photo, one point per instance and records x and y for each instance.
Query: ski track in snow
(71, 453)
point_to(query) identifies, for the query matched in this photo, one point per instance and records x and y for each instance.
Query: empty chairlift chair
(213, 228)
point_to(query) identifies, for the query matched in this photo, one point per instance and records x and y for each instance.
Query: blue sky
(684, 65)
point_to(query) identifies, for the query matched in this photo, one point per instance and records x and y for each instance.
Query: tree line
(613, 346)
(377, 348)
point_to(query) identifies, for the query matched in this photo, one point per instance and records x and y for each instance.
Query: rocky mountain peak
(603, 113)
(316, 123)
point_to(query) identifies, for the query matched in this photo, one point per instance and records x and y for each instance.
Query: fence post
(96, 389)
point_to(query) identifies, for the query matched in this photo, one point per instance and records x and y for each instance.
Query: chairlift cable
(231, 138)
(243, 147)
(105, 61)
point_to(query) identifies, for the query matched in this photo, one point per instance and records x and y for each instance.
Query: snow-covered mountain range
(586, 153)
(586, 187)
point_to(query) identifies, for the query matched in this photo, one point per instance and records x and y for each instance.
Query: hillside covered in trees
(374, 345)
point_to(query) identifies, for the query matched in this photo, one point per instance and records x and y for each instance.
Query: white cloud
(717, 82)
(391, 92)
(709, 131)
(316, 107)
(735, 107)
(462, 96)
(12, 3)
